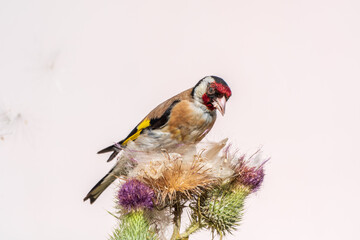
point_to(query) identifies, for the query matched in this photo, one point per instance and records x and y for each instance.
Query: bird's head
(213, 92)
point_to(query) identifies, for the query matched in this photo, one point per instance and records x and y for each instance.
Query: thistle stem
(177, 220)
(190, 230)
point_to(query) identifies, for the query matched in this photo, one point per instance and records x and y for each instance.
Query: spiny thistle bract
(210, 180)
(220, 209)
(134, 226)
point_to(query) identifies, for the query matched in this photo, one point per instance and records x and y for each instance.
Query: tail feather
(105, 150)
(118, 170)
(113, 148)
(100, 186)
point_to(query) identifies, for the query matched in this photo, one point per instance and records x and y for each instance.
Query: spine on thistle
(220, 210)
(134, 226)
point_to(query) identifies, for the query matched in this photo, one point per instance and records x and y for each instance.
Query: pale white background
(75, 76)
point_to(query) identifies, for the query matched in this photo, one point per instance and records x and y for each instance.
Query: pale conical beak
(220, 104)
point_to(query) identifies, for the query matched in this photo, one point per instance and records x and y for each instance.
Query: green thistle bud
(221, 209)
(134, 226)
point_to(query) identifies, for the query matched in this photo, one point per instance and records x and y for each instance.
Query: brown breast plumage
(189, 123)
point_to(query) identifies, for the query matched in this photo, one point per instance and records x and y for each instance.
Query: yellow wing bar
(139, 128)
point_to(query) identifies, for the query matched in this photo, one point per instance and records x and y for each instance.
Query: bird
(184, 119)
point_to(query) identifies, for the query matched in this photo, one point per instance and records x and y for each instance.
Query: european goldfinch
(183, 119)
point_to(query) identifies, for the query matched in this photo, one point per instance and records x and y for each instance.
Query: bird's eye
(219, 95)
(211, 90)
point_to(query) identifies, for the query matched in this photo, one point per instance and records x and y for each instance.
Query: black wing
(151, 124)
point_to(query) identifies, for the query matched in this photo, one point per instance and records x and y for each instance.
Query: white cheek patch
(201, 88)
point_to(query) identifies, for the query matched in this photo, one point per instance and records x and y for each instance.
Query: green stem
(190, 230)
(177, 220)
(194, 226)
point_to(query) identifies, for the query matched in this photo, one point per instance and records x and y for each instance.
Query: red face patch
(225, 90)
(207, 102)
(215, 89)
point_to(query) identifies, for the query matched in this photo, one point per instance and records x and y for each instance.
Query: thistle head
(177, 176)
(135, 195)
(220, 209)
(250, 172)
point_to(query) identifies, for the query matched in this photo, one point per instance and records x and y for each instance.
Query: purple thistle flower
(134, 195)
(248, 174)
